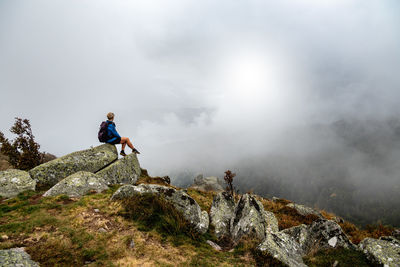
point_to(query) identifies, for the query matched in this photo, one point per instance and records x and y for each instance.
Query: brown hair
(110, 116)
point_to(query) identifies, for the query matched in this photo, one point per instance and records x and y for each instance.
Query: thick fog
(299, 98)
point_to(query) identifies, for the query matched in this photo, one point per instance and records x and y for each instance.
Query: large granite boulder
(290, 245)
(321, 234)
(221, 213)
(13, 182)
(15, 257)
(123, 171)
(382, 252)
(304, 210)
(77, 185)
(207, 184)
(325, 234)
(91, 160)
(280, 247)
(250, 219)
(182, 202)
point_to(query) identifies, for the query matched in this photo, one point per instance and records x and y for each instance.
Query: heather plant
(23, 151)
(229, 181)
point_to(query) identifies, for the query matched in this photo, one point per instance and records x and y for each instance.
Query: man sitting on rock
(115, 138)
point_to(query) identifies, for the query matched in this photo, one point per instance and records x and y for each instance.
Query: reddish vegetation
(287, 217)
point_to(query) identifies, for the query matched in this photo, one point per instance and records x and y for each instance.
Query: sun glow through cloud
(253, 81)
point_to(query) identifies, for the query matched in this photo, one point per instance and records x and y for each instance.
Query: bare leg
(125, 141)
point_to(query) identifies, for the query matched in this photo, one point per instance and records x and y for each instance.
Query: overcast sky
(195, 83)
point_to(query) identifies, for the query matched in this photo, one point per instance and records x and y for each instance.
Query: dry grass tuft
(204, 199)
(287, 217)
(356, 234)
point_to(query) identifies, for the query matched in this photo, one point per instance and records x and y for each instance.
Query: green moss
(345, 257)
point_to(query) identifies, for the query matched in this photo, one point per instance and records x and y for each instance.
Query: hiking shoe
(122, 153)
(135, 151)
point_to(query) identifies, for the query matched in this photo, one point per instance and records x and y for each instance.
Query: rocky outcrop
(321, 234)
(91, 160)
(207, 184)
(250, 218)
(325, 234)
(290, 245)
(221, 213)
(182, 202)
(280, 247)
(300, 234)
(123, 171)
(272, 222)
(16, 257)
(13, 182)
(304, 210)
(382, 252)
(77, 185)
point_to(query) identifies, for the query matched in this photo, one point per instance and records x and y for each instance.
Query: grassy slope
(65, 232)
(61, 231)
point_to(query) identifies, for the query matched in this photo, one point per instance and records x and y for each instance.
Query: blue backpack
(103, 132)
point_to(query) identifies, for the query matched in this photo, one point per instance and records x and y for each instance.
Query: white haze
(202, 85)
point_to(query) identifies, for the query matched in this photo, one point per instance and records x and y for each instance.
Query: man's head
(110, 116)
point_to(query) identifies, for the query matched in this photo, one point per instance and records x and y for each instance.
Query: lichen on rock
(13, 182)
(300, 234)
(181, 201)
(304, 210)
(381, 252)
(77, 185)
(16, 257)
(123, 171)
(91, 160)
(325, 234)
(281, 247)
(221, 213)
(250, 218)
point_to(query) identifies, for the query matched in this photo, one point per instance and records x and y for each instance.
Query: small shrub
(229, 181)
(22, 152)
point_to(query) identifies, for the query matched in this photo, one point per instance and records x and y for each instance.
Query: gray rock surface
(221, 213)
(381, 252)
(91, 160)
(124, 171)
(281, 247)
(13, 182)
(178, 198)
(77, 185)
(304, 210)
(300, 234)
(272, 222)
(16, 257)
(207, 184)
(290, 245)
(325, 234)
(250, 219)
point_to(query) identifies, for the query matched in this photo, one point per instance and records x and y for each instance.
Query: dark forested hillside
(349, 167)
